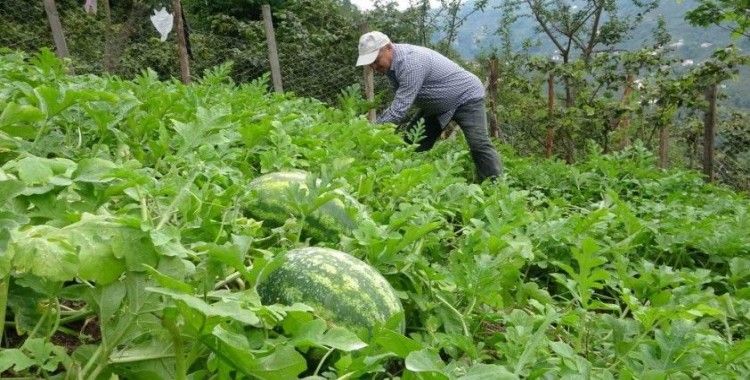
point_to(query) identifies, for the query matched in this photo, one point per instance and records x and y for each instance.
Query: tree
(578, 31)
(454, 19)
(733, 15)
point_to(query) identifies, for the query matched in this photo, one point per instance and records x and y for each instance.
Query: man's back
(443, 84)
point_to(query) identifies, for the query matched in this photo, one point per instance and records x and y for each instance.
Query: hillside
(692, 43)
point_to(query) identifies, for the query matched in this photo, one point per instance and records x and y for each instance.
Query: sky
(367, 4)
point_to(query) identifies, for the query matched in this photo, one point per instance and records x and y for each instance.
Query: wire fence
(122, 40)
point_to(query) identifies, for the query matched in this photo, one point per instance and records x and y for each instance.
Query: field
(126, 246)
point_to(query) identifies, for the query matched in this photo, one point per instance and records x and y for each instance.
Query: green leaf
(424, 360)
(483, 371)
(562, 349)
(15, 359)
(34, 171)
(17, 120)
(10, 189)
(231, 310)
(282, 364)
(37, 251)
(396, 343)
(168, 282)
(342, 339)
(94, 170)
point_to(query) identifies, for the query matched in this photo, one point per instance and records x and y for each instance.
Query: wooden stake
(369, 79)
(273, 54)
(57, 30)
(182, 53)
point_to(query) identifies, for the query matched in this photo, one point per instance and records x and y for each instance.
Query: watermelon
(340, 288)
(270, 204)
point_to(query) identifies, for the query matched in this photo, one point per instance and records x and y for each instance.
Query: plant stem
(91, 362)
(4, 284)
(458, 314)
(57, 320)
(144, 205)
(320, 365)
(76, 317)
(180, 368)
(177, 199)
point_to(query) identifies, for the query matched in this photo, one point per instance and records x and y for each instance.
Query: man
(441, 89)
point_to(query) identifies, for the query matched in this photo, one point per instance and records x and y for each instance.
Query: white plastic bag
(90, 6)
(163, 22)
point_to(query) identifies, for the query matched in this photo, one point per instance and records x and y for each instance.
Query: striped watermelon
(341, 288)
(272, 206)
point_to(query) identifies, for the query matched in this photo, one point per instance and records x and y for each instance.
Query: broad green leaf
(18, 120)
(232, 348)
(221, 309)
(37, 251)
(482, 371)
(342, 339)
(10, 188)
(15, 359)
(168, 282)
(283, 363)
(396, 343)
(34, 171)
(94, 170)
(424, 360)
(96, 248)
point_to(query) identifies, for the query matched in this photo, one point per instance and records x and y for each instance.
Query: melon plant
(340, 288)
(271, 204)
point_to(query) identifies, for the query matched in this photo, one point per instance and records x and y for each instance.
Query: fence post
(273, 54)
(182, 53)
(709, 132)
(57, 31)
(548, 143)
(492, 98)
(369, 79)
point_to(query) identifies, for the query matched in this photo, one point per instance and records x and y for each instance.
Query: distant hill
(479, 34)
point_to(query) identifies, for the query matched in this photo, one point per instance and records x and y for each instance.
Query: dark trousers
(472, 118)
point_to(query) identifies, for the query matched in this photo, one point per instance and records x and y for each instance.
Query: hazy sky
(367, 4)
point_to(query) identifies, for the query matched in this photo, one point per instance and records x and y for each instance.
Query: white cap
(369, 46)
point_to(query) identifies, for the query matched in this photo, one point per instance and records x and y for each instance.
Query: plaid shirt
(430, 81)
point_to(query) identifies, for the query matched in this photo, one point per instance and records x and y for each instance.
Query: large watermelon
(270, 203)
(341, 288)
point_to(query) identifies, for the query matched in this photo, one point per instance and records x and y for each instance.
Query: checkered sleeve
(411, 78)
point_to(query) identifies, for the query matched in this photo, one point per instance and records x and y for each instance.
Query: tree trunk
(709, 133)
(549, 141)
(664, 146)
(492, 99)
(622, 124)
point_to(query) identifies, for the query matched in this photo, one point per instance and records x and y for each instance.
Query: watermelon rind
(341, 288)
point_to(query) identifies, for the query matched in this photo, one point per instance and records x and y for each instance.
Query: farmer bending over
(440, 88)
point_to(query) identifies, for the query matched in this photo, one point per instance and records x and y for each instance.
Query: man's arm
(410, 80)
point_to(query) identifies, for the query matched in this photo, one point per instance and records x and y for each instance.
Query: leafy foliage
(124, 249)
